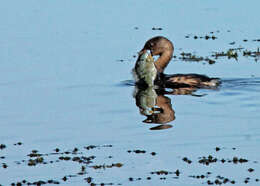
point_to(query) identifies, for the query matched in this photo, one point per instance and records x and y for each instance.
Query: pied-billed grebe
(164, 48)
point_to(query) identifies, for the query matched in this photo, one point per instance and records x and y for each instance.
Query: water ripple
(238, 83)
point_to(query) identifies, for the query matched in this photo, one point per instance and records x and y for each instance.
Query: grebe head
(158, 45)
(161, 46)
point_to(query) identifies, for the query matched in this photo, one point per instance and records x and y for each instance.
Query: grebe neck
(164, 59)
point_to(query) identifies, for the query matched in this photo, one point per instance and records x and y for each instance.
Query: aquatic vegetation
(234, 53)
(156, 28)
(40, 182)
(4, 165)
(185, 159)
(189, 57)
(162, 172)
(140, 152)
(207, 160)
(33, 162)
(107, 166)
(2, 146)
(206, 37)
(231, 53)
(88, 166)
(18, 143)
(254, 54)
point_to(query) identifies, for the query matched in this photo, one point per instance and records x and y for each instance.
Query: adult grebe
(164, 48)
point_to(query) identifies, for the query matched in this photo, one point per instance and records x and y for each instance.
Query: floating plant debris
(66, 158)
(2, 146)
(4, 166)
(57, 150)
(140, 152)
(137, 151)
(199, 176)
(187, 160)
(254, 54)
(190, 57)
(94, 146)
(162, 172)
(34, 154)
(206, 37)
(40, 182)
(207, 160)
(131, 179)
(107, 166)
(210, 159)
(219, 180)
(231, 53)
(247, 180)
(88, 179)
(34, 162)
(90, 147)
(177, 172)
(156, 28)
(193, 58)
(18, 143)
(134, 179)
(239, 160)
(77, 155)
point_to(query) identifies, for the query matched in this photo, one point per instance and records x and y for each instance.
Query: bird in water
(164, 48)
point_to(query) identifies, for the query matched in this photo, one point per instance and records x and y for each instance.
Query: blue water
(63, 85)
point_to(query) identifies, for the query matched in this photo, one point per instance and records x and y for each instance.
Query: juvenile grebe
(164, 48)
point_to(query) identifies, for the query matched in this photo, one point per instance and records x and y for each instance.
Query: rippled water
(66, 83)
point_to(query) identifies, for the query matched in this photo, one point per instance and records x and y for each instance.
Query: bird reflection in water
(156, 106)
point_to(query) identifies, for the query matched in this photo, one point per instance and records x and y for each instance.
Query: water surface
(63, 67)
